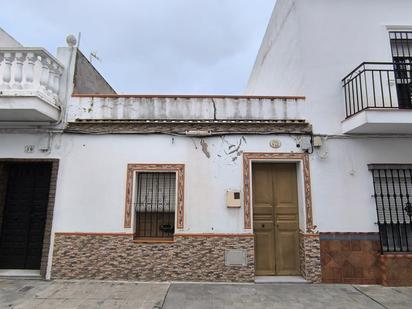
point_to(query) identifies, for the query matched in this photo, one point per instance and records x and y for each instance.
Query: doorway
(275, 219)
(24, 202)
(401, 45)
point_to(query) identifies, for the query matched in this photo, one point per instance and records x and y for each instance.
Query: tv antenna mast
(93, 55)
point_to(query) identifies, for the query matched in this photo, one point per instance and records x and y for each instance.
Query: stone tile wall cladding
(396, 269)
(118, 257)
(350, 258)
(355, 258)
(309, 252)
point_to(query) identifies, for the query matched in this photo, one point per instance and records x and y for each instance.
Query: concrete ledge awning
(379, 121)
(185, 126)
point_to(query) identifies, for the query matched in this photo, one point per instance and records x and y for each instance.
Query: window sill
(169, 240)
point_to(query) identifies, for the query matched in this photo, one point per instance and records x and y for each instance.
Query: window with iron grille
(401, 44)
(393, 197)
(155, 204)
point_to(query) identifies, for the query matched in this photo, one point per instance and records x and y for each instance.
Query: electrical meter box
(233, 199)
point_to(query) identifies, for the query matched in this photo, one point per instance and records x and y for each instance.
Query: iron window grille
(393, 198)
(155, 204)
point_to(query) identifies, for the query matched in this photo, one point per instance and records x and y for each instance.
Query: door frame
(306, 227)
(50, 206)
(303, 182)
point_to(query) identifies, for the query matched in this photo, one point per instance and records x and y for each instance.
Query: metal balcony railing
(376, 85)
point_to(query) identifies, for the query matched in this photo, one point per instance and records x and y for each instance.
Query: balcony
(29, 86)
(378, 99)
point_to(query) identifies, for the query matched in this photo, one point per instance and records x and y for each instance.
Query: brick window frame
(134, 168)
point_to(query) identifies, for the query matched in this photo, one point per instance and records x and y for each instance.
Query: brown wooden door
(275, 219)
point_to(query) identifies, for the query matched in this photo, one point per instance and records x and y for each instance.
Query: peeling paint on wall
(91, 105)
(205, 150)
(226, 149)
(194, 143)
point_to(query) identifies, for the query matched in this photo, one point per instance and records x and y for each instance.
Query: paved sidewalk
(288, 296)
(24, 294)
(27, 294)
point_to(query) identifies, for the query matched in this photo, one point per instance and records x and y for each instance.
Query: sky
(151, 46)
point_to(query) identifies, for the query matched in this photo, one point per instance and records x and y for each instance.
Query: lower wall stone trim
(349, 236)
(310, 267)
(355, 258)
(396, 269)
(351, 258)
(111, 257)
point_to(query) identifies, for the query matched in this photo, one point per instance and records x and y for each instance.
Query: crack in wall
(232, 151)
(214, 109)
(236, 148)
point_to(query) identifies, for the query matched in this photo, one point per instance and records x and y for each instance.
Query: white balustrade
(27, 70)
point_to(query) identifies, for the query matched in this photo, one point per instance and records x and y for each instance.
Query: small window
(393, 197)
(155, 205)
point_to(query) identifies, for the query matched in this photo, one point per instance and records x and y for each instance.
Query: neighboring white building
(7, 40)
(340, 55)
(218, 188)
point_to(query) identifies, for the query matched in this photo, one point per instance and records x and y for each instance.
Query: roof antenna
(93, 55)
(78, 39)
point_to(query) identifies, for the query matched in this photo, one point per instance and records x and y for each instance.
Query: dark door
(24, 217)
(401, 43)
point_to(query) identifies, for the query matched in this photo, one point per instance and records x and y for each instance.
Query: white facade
(307, 50)
(91, 183)
(310, 46)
